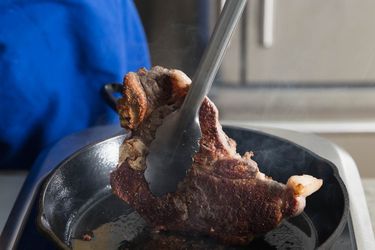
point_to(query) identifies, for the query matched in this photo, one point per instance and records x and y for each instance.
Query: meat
(223, 195)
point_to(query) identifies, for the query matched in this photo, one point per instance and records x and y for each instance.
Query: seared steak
(223, 194)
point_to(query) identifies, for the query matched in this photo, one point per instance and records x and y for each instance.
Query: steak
(224, 195)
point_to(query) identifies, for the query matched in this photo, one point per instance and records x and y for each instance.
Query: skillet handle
(109, 90)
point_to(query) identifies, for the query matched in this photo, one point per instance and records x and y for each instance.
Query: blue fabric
(55, 57)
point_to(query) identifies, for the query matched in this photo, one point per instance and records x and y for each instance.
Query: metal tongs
(177, 139)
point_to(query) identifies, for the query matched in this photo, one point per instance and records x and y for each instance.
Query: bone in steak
(224, 194)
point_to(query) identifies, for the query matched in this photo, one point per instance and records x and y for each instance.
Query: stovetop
(21, 230)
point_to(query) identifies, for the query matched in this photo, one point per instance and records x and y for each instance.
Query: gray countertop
(10, 185)
(369, 187)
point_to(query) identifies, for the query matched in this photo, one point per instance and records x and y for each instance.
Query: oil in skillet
(133, 233)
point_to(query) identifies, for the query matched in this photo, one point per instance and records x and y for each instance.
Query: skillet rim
(126, 134)
(345, 214)
(46, 182)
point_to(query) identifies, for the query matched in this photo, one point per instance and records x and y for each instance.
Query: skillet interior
(77, 198)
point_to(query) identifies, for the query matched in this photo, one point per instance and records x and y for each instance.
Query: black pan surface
(77, 201)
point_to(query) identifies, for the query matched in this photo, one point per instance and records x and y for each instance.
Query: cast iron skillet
(77, 198)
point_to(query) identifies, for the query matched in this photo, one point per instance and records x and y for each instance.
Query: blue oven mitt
(55, 57)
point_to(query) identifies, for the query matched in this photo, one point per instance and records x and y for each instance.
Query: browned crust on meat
(200, 196)
(214, 143)
(180, 84)
(143, 91)
(221, 195)
(133, 105)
